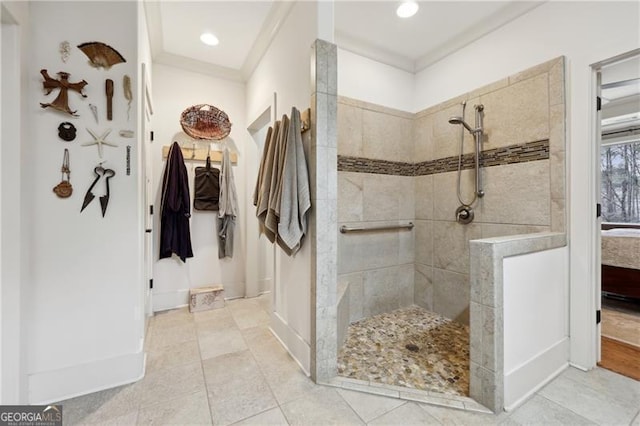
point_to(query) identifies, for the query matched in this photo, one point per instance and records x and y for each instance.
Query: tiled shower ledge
(408, 394)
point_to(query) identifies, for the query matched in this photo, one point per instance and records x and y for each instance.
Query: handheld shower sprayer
(464, 214)
(460, 120)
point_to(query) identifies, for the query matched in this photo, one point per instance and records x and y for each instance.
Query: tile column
(323, 154)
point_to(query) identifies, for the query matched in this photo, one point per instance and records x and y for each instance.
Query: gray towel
(295, 198)
(228, 203)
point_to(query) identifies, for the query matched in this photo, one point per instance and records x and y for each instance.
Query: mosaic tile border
(512, 154)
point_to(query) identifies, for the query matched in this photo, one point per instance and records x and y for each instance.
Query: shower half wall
(396, 167)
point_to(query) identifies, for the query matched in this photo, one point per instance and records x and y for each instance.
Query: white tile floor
(224, 367)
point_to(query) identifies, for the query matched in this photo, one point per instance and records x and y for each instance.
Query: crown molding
(362, 48)
(484, 27)
(201, 67)
(270, 28)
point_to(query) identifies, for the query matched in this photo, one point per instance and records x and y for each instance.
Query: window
(620, 165)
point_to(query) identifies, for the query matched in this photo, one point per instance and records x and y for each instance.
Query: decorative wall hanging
(61, 102)
(205, 122)
(101, 55)
(89, 196)
(94, 111)
(128, 93)
(64, 188)
(65, 51)
(108, 89)
(99, 141)
(126, 133)
(67, 131)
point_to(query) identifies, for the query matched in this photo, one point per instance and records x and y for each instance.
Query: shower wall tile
(556, 128)
(356, 295)
(424, 197)
(445, 199)
(423, 290)
(491, 87)
(517, 193)
(534, 71)
(491, 230)
(517, 114)
(406, 280)
(451, 245)
(557, 163)
(387, 289)
(446, 136)
(451, 295)
(388, 197)
(349, 130)
(406, 246)
(362, 251)
(386, 137)
(558, 215)
(556, 82)
(423, 138)
(350, 196)
(380, 198)
(424, 242)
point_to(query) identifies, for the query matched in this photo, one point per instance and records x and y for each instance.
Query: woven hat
(205, 122)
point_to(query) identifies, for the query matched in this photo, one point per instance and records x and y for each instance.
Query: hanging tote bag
(206, 188)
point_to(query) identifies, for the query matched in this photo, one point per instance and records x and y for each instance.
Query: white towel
(228, 204)
(295, 198)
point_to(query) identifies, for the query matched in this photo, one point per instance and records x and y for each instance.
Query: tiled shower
(396, 167)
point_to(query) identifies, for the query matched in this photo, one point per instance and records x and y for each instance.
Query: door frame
(596, 144)
(266, 117)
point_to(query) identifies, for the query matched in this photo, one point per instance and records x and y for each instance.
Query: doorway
(618, 233)
(261, 271)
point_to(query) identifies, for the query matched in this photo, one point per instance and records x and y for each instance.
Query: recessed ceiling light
(407, 9)
(209, 39)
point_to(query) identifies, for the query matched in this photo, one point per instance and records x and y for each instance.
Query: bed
(621, 262)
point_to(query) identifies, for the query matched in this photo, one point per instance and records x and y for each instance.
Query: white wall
(371, 81)
(536, 320)
(84, 318)
(174, 90)
(551, 30)
(285, 69)
(14, 39)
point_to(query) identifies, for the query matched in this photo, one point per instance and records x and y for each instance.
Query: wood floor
(620, 357)
(621, 342)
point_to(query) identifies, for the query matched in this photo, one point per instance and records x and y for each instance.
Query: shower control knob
(464, 214)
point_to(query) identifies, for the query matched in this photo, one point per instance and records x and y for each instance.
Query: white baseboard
(292, 342)
(528, 378)
(57, 385)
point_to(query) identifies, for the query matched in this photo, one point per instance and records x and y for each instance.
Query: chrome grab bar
(344, 229)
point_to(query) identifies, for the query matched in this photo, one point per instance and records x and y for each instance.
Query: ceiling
(245, 29)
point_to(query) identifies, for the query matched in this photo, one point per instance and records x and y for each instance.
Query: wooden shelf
(200, 154)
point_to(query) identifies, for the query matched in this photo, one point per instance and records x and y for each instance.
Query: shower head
(459, 120)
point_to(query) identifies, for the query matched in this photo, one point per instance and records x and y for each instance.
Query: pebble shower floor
(409, 347)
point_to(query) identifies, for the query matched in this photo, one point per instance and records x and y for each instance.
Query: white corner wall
(536, 321)
(84, 317)
(371, 81)
(285, 70)
(584, 32)
(174, 90)
(14, 38)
